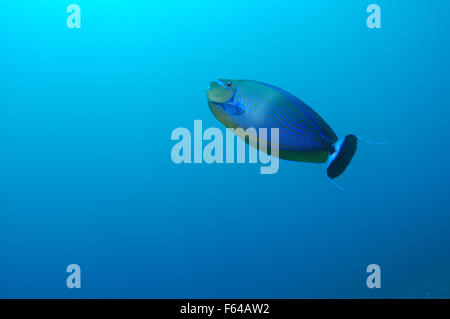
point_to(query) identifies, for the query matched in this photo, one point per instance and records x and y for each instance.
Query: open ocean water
(86, 176)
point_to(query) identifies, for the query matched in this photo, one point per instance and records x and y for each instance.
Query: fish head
(220, 96)
(220, 91)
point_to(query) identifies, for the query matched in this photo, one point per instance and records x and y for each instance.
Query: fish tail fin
(341, 156)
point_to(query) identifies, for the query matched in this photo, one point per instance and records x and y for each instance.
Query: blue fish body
(303, 134)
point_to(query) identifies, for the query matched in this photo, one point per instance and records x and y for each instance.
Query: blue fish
(304, 136)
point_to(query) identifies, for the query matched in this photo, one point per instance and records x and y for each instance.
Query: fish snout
(210, 91)
(218, 92)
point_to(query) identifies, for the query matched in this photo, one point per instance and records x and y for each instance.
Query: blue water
(86, 175)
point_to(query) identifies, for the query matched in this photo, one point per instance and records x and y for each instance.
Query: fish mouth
(214, 83)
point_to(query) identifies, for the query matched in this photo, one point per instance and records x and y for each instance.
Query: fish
(304, 136)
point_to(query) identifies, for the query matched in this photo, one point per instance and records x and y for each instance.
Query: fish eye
(229, 85)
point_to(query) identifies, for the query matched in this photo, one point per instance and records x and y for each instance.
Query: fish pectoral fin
(232, 109)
